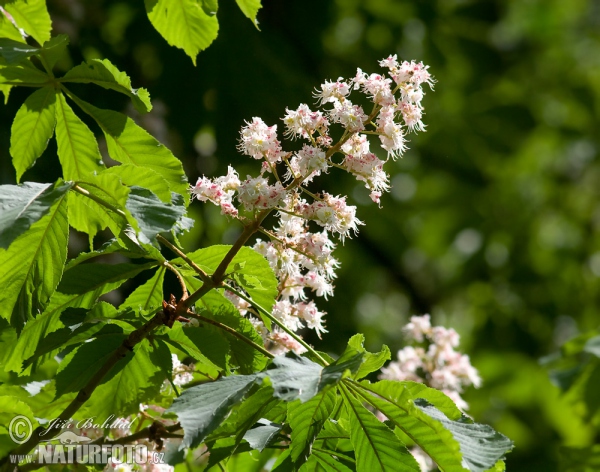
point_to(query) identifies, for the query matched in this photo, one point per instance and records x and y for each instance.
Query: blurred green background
(492, 224)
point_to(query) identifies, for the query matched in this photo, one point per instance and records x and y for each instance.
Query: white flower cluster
(300, 256)
(437, 364)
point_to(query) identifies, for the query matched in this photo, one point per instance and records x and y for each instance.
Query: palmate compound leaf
(32, 16)
(375, 445)
(80, 287)
(23, 205)
(396, 403)
(32, 127)
(33, 264)
(103, 73)
(135, 379)
(130, 144)
(452, 441)
(77, 147)
(307, 420)
(183, 24)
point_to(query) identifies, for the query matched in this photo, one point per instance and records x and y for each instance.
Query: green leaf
(93, 280)
(15, 51)
(22, 73)
(245, 415)
(592, 346)
(202, 408)
(23, 205)
(130, 144)
(327, 463)
(135, 379)
(80, 365)
(131, 175)
(300, 378)
(51, 345)
(54, 49)
(87, 216)
(9, 30)
(307, 420)
(103, 73)
(32, 16)
(10, 408)
(81, 285)
(183, 24)
(260, 436)
(201, 344)
(375, 445)
(480, 445)
(215, 306)
(77, 147)
(250, 9)
(396, 403)
(32, 266)
(252, 270)
(151, 215)
(149, 295)
(372, 362)
(32, 128)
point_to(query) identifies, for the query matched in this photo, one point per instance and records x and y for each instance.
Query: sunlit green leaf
(32, 266)
(32, 16)
(130, 144)
(149, 295)
(243, 356)
(9, 30)
(250, 9)
(23, 73)
(307, 420)
(32, 128)
(375, 445)
(183, 24)
(372, 362)
(252, 270)
(130, 175)
(77, 147)
(103, 73)
(88, 216)
(23, 205)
